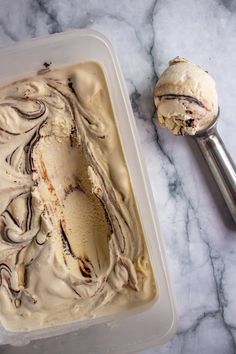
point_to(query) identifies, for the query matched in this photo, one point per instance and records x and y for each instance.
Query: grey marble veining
(199, 235)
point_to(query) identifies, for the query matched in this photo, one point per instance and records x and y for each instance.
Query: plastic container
(145, 327)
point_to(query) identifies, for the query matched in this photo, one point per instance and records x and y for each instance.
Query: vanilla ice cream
(186, 98)
(71, 242)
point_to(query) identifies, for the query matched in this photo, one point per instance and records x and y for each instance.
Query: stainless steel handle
(221, 165)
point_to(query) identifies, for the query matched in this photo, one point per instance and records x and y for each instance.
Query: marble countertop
(200, 236)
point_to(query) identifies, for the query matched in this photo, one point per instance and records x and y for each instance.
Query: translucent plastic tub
(145, 327)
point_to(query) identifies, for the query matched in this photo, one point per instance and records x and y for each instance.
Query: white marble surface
(199, 235)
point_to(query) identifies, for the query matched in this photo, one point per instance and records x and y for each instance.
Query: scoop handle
(221, 165)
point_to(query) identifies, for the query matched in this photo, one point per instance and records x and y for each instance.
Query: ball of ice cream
(186, 98)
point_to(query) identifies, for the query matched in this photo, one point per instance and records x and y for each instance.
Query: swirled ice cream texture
(71, 242)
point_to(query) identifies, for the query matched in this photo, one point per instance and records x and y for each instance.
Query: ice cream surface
(71, 241)
(186, 98)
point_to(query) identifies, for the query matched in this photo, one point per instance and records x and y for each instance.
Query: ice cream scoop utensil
(220, 163)
(187, 104)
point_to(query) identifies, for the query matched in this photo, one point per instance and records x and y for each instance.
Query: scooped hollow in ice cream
(186, 98)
